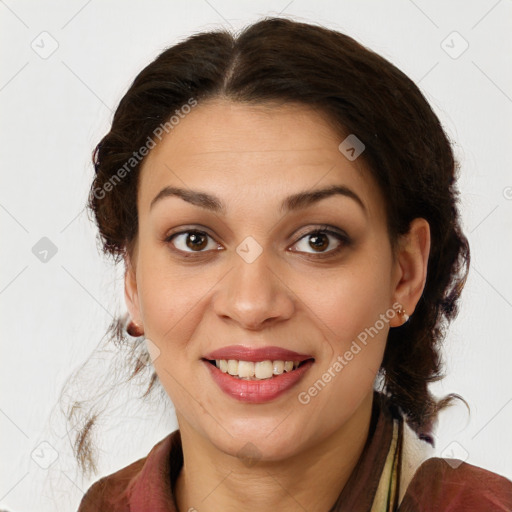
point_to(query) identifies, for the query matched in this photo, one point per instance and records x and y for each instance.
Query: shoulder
(449, 484)
(113, 492)
(102, 494)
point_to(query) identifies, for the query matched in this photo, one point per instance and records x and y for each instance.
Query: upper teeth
(253, 371)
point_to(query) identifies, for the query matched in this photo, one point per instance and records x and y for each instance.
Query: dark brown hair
(360, 92)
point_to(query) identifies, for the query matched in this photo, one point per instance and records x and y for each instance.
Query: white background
(54, 111)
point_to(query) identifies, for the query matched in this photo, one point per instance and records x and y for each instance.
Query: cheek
(170, 300)
(171, 309)
(346, 301)
(348, 314)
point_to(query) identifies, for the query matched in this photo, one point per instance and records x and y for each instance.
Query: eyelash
(341, 237)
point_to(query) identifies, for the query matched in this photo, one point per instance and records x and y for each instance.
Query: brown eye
(196, 241)
(190, 241)
(320, 242)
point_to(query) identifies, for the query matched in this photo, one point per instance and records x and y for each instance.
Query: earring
(403, 314)
(134, 329)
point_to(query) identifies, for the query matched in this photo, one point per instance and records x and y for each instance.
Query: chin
(266, 440)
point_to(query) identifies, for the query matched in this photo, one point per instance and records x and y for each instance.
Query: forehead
(256, 152)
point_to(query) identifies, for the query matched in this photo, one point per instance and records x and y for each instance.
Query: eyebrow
(294, 202)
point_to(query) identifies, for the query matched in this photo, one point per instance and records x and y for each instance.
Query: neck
(312, 480)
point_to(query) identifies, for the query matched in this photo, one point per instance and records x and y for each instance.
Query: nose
(254, 294)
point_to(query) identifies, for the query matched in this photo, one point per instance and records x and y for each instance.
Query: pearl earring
(403, 314)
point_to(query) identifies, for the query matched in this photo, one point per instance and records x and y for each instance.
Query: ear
(411, 268)
(131, 295)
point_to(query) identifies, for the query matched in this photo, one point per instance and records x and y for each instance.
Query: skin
(252, 157)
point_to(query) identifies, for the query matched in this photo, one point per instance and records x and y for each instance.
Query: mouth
(257, 370)
(256, 382)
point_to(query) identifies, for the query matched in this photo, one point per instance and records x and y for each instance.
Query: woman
(285, 206)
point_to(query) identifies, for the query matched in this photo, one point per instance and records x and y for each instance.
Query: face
(257, 265)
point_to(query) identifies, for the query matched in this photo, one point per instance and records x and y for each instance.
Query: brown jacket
(437, 486)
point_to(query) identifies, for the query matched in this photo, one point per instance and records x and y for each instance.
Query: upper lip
(255, 354)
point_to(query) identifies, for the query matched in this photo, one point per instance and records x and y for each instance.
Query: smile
(256, 382)
(259, 370)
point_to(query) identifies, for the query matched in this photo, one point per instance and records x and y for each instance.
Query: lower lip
(257, 391)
